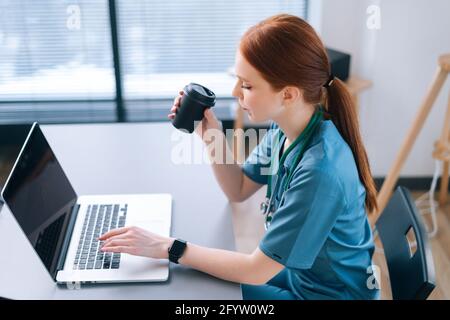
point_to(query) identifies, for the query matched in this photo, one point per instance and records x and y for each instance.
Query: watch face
(177, 247)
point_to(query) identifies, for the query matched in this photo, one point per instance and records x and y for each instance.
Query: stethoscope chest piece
(267, 210)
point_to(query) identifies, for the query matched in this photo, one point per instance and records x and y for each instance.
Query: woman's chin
(252, 118)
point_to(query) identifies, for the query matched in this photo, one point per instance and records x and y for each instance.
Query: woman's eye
(246, 87)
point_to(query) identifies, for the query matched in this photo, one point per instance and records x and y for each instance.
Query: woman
(318, 243)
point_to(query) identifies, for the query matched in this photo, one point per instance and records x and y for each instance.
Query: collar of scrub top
(303, 139)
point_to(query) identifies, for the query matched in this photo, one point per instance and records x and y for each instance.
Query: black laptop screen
(40, 197)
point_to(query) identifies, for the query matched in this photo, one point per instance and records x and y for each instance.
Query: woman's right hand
(209, 121)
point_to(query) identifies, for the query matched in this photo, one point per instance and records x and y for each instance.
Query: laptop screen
(40, 197)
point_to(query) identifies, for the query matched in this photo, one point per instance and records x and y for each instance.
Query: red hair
(287, 51)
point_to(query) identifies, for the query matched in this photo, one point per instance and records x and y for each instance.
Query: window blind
(55, 50)
(166, 44)
(56, 59)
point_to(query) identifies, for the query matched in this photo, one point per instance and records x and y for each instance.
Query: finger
(171, 116)
(173, 109)
(120, 236)
(119, 249)
(177, 101)
(116, 243)
(114, 232)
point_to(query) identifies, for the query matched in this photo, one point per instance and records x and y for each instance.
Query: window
(57, 62)
(166, 44)
(54, 50)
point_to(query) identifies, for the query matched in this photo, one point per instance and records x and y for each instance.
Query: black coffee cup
(195, 100)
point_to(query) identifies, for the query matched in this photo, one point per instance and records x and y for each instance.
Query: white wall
(400, 58)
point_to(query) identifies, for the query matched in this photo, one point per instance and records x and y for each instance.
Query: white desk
(127, 158)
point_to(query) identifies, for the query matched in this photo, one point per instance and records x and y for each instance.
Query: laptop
(63, 227)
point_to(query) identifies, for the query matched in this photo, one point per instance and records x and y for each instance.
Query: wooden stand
(442, 146)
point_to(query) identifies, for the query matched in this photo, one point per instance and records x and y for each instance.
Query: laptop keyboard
(99, 220)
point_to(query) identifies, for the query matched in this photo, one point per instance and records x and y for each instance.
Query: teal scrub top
(320, 231)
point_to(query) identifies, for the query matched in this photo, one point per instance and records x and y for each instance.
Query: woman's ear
(291, 94)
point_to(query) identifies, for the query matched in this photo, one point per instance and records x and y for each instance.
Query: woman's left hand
(136, 241)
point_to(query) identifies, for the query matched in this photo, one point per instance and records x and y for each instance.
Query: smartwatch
(177, 250)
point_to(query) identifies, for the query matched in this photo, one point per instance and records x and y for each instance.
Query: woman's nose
(236, 92)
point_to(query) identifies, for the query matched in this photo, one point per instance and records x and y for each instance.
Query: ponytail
(341, 109)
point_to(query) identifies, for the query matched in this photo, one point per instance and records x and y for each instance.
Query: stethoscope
(267, 206)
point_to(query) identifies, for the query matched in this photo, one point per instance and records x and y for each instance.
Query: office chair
(411, 274)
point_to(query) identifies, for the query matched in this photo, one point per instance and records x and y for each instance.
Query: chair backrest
(411, 273)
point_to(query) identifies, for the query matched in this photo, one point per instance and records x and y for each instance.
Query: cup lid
(200, 93)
